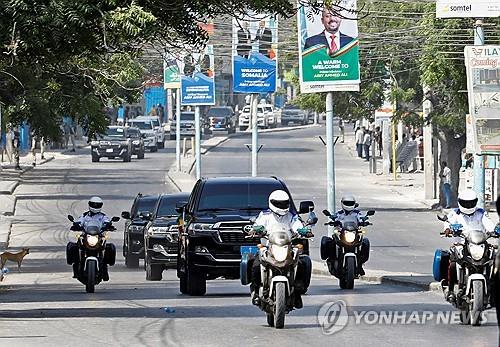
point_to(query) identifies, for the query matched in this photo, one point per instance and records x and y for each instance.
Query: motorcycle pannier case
(327, 248)
(247, 257)
(441, 263)
(71, 253)
(110, 254)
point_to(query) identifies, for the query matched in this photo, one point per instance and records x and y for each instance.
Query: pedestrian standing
(367, 140)
(37, 138)
(341, 129)
(359, 141)
(421, 152)
(69, 134)
(446, 177)
(9, 138)
(16, 144)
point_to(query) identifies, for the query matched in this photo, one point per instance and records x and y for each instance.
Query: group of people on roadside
(365, 138)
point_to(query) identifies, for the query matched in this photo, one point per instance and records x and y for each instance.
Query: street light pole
(197, 141)
(478, 159)
(330, 157)
(178, 129)
(255, 134)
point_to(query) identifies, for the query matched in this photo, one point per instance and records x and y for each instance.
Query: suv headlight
(200, 227)
(157, 230)
(94, 143)
(136, 142)
(136, 229)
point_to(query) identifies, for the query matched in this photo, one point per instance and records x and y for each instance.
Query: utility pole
(478, 159)
(330, 157)
(255, 133)
(428, 160)
(197, 141)
(178, 129)
(170, 104)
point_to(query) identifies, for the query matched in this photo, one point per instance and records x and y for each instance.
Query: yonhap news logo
(333, 317)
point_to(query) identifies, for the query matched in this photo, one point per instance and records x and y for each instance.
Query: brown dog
(17, 257)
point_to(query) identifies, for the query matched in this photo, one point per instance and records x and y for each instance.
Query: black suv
(133, 236)
(114, 143)
(134, 134)
(221, 118)
(212, 229)
(161, 236)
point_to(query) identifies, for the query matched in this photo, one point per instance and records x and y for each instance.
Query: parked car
(147, 128)
(135, 221)
(221, 118)
(161, 236)
(114, 143)
(216, 217)
(293, 114)
(187, 125)
(137, 138)
(272, 116)
(244, 118)
(160, 132)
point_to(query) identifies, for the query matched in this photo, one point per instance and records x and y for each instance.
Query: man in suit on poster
(330, 37)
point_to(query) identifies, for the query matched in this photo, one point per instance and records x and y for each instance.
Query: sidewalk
(10, 178)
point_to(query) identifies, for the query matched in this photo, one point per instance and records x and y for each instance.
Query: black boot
(298, 301)
(75, 270)
(105, 274)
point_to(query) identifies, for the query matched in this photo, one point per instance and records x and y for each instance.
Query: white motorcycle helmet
(348, 203)
(467, 201)
(95, 204)
(279, 202)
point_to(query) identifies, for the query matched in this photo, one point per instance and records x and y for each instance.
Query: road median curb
(8, 187)
(412, 280)
(5, 229)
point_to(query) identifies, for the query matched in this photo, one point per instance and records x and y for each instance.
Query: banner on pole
(483, 84)
(197, 78)
(171, 73)
(255, 54)
(329, 48)
(467, 8)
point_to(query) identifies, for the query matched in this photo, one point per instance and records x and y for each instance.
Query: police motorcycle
(347, 249)
(91, 254)
(475, 262)
(279, 259)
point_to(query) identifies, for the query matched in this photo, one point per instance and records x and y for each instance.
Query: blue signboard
(254, 53)
(197, 78)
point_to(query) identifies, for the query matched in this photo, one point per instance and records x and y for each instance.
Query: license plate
(109, 150)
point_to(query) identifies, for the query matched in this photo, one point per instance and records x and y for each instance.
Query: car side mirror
(179, 207)
(370, 213)
(356, 205)
(70, 217)
(312, 219)
(115, 219)
(442, 217)
(126, 215)
(306, 207)
(327, 213)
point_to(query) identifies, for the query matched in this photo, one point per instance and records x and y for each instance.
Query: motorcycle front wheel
(350, 268)
(476, 303)
(91, 274)
(280, 305)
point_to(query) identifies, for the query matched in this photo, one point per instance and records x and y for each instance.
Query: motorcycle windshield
(350, 223)
(280, 235)
(92, 228)
(477, 236)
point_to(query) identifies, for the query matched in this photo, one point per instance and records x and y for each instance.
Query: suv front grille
(233, 232)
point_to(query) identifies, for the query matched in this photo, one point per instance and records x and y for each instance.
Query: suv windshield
(115, 132)
(237, 196)
(166, 207)
(156, 122)
(144, 205)
(290, 107)
(246, 109)
(186, 116)
(219, 112)
(133, 133)
(143, 125)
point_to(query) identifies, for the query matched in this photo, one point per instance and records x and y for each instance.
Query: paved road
(405, 234)
(43, 306)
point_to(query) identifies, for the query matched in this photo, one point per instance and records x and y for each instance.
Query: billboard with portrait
(171, 75)
(197, 77)
(254, 51)
(328, 48)
(483, 84)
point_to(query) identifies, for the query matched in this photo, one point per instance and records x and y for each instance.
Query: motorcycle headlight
(136, 142)
(349, 236)
(92, 240)
(476, 251)
(279, 253)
